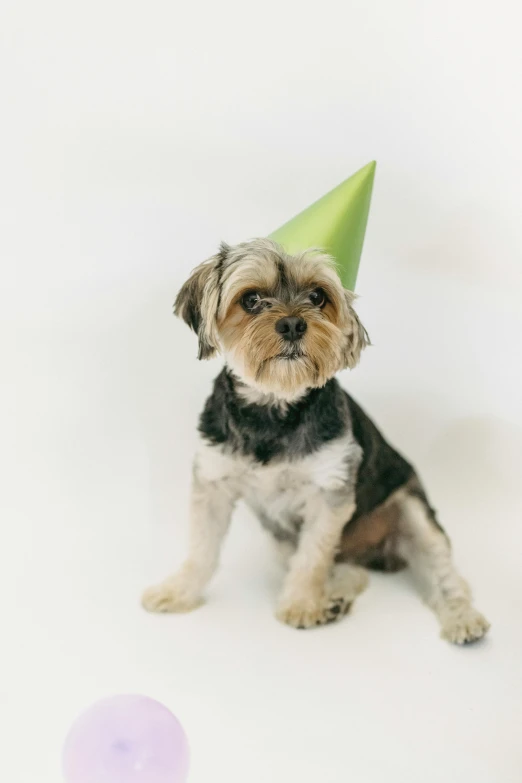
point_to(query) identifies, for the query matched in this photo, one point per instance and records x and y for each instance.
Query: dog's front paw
(171, 596)
(463, 625)
(311, 612)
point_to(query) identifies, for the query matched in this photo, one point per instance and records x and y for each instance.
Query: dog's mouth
(291, 354)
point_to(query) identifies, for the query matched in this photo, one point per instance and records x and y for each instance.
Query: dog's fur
(281, 433)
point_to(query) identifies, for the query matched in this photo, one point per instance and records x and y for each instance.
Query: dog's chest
(279, 492)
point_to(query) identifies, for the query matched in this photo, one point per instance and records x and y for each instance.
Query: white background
(134, 137)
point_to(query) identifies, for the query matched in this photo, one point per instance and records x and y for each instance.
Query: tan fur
(370, 532)
(334, 337)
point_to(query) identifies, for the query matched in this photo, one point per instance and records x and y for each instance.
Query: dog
(281, 433)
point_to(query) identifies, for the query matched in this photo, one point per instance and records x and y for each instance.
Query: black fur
(382, 470)
(266, 432)
(222, 257)
(188, 298)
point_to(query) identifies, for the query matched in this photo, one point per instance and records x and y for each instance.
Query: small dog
(280, 432)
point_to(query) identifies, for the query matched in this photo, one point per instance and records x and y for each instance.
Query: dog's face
(284, 323)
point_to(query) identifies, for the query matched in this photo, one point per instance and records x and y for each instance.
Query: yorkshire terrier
(280, 432)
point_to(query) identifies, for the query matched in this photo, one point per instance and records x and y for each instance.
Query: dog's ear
(355, 334)
(198, 301)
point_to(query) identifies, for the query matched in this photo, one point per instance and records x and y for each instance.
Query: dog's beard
(264, 360)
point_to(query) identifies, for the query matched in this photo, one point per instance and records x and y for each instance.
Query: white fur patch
(212, 464)
(281, 489)
(329, 467)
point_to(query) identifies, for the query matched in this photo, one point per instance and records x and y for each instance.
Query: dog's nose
(291, 328)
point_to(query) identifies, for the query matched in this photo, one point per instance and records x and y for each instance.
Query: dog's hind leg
(426, 548)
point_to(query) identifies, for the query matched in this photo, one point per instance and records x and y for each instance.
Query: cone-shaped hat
(336, 224)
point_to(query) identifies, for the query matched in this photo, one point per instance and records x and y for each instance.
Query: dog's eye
(318, 297)
(250, 301)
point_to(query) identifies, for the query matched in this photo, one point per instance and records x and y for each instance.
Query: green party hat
(336, 224)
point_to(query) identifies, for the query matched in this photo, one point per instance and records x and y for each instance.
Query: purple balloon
(126, 739)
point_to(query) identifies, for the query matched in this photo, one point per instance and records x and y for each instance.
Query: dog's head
(284, 323)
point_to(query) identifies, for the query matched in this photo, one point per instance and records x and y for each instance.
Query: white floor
(100, 428)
